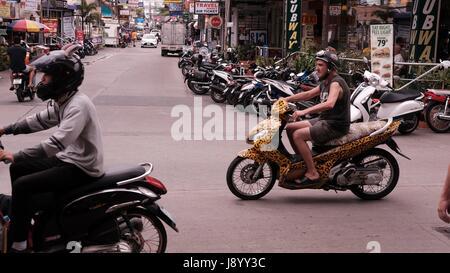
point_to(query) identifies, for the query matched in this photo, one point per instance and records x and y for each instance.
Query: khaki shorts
(321, 132)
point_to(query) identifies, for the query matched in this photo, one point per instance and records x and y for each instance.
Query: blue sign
(106, 11)
(139, 20)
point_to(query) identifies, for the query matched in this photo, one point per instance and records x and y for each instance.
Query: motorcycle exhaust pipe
(201, 83)
(441, 116)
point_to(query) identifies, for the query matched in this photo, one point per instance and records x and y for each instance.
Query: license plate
(172, 48)
(166, 213)
(17, 81)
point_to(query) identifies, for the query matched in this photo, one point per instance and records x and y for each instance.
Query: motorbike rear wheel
(19, 94)
(409, 123)
(240, 179)
(431, 117)
(391, 173)
(152, 238)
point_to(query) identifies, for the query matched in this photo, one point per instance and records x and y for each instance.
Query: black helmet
(66, 69)
(329, 57)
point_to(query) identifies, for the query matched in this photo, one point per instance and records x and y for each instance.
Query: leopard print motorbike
(352, 162)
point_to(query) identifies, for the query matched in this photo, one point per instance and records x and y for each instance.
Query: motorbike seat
(440, 92)
(399, 96)
(356, 131)
(108, 180)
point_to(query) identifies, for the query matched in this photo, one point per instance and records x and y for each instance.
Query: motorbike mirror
(445, 64)
(384, 83)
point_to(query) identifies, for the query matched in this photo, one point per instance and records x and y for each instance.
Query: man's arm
(68, 131)
(43, 120)
(335, 91)
(304, 95)
(444, 201)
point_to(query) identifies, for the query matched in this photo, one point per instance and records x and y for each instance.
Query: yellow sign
(5, 10)
(172, 1)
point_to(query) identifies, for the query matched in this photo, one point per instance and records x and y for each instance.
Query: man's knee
(21, 185)
(302, 134)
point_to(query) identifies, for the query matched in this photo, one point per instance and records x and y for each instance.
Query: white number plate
(17, 81)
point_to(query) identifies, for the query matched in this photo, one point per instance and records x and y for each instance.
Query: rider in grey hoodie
(71, 157)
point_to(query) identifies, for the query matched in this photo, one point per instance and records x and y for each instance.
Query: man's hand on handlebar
(6, 156)
(296, 115)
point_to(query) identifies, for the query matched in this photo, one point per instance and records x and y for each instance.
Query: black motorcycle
(20, 84)
(116, 213)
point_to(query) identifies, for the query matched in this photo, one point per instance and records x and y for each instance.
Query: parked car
(149, 40)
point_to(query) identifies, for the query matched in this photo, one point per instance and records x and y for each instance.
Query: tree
(86, 10)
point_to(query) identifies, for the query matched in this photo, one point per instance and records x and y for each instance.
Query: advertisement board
(206, 8)
(382, 51)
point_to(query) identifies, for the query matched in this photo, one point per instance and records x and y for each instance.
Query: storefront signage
(293, 33)
(31, 5)
(206, 8)
(5, 10)
(382, 50)
(335, 10)
(424, 34)
(308, 19)
(216, 21)
(52, 24)
(68, 27)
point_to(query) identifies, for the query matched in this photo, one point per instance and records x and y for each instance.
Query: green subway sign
(424, 30)
(293, 26)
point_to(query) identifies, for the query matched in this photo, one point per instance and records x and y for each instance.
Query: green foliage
(4, 61)
(264, 61)
(246, 52)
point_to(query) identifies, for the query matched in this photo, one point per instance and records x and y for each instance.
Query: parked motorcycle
(437, 110)
(20, 84)
(403, 105)
(353, 162)
(116, 213)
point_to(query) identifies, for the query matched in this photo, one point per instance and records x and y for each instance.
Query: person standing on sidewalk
(444, 201)
(134, 37)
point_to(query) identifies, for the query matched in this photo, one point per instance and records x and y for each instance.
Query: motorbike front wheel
(383, 160)
(241, 180)
(431, 116)
(149, 237)
(197, 89)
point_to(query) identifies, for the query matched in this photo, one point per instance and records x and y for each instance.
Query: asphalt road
(136, 91)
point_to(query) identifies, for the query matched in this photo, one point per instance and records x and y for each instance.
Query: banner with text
(206, 8)
(293, 27)
(382, 50)
(424, 30)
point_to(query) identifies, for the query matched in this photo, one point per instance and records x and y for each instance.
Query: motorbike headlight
(259, 135)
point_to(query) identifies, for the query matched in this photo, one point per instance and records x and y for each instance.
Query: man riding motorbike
(334, 108)
(71, 157)
(17, 54)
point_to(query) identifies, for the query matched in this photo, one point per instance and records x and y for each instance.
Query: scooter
(405, 106)
(352, 162)
(117, 213)
(20, 84)
(437, 110)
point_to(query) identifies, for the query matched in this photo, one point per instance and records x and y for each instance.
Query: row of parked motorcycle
(257, 88)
